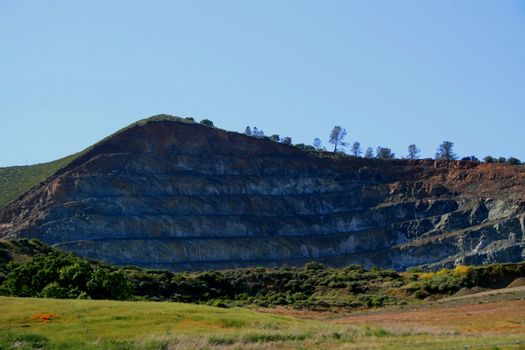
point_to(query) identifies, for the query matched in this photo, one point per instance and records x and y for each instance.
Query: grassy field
(27, 323)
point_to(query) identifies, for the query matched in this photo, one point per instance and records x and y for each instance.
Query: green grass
(17, 180)
(90, 324)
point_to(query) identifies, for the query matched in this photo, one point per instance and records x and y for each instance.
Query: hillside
(17, 180)
(169, 193)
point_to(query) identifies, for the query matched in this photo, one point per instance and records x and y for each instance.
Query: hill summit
(170, 193)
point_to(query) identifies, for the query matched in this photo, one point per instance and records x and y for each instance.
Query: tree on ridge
(413, 151)
(356, 149)
(337, 136)
(445, 151)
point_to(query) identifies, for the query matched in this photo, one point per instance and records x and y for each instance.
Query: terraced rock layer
(182, 196)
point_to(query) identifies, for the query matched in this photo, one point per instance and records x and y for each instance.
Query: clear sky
(391, 72)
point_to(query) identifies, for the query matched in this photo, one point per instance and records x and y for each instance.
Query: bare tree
(317, 143)
(413, 152)
(337, 136)
(356, 149)
(369, 153)
(446, 151)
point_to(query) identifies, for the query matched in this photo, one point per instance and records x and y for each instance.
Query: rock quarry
(172, 194)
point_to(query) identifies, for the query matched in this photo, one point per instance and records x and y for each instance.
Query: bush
(313, 265)
(470, 159)
(421, 294)
(376, 332)
(53, 290)
(107, 284)
(207, 122)
(305, 147)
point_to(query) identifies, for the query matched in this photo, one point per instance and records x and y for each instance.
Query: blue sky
(391, 72)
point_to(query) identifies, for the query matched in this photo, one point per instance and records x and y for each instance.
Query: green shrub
(421, 294)
(207, 122)
(53, 290)
(376, 332)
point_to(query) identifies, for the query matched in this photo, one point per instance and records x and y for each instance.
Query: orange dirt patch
(505, 317)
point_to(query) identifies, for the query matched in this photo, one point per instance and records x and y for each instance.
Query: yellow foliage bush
(442, 272)
(462, 270)
(426, 275)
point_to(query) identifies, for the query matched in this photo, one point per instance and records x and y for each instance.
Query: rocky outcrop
(182, 196)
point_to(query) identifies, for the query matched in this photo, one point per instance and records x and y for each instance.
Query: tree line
(337, 136)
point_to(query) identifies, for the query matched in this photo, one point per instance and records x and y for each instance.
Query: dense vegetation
(31, 269)
(53, 274)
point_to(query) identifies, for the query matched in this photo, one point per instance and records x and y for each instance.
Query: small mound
(469, 291)
(518, 282)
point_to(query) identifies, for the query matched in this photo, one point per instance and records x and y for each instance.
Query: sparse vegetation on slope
(17, 180)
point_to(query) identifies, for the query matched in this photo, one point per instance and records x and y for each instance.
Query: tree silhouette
(384, 153)
(369, 153)
(337, 136)
(445, 151)
(413, 152)
(356, 149)
(317, 143)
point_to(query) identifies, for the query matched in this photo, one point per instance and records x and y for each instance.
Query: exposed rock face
(174, 195)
